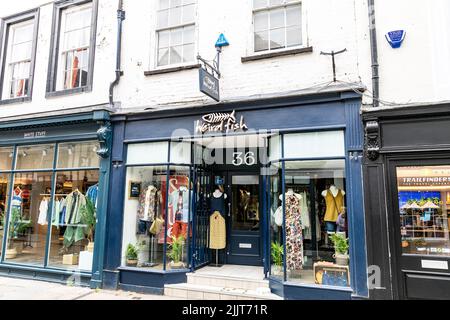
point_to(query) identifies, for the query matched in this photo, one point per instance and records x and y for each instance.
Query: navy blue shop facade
(54, 173)
(282, 171)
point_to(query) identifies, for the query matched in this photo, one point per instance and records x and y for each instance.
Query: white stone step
(226, 281)
(202, 292)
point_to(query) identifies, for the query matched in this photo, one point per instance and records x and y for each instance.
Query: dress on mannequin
(217, 202)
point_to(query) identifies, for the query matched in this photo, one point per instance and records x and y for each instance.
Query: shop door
(421, 220)
(244, 220)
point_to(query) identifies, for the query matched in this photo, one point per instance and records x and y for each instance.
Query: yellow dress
(334, 206)
(217, 231)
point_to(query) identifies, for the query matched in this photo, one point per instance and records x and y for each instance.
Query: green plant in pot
(132, 255)
(277, 257)
(89, 220)
(341, 247)
(175, 253)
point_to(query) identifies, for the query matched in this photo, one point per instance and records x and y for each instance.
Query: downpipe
(120, 19)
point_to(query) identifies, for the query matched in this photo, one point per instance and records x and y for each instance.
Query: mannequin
(334, 199)
(217, 228)
(217, 201)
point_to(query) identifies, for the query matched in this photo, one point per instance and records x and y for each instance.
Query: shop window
(175, 32)
(4, 199)
(277, 24)
(78, 155)
(148, 153)
(314, 145)
(35, 157)
(315, 220)
(27, 230)
(424, 206)
(74, 45)
(73, 219)
(180, 152)
(51, 210)
(18, 51)
(6, 157)
(276, 224)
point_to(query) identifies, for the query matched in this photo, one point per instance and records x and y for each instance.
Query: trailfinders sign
(221, 122)
(424, 181)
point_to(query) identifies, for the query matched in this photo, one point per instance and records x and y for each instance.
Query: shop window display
(4, 198)
(276, 225)
(424, 207)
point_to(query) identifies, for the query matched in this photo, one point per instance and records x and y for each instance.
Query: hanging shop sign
(209, 85)
(424, 181)
(221, 122)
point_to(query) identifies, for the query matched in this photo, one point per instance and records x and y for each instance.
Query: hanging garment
(17, 200)
(294, 233)
(306, 220)
(92, 194)
(217, 231)
(62, 212)
(180, 227)
(55, 213)
(180, 199)
(218, 204)
(74, 202)
(147, 203)
(334, 206)
(43, 209)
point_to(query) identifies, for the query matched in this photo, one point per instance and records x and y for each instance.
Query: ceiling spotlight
(44, 152)
(70, 150)
(24, 154)
(11, 154)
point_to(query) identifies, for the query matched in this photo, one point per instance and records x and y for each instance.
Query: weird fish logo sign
(221, 122)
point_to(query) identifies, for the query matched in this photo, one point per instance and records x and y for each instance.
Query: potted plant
(132, 255)
(89, 220)
(341, 247)
(15, 227)
(176, 252)
(277, 258)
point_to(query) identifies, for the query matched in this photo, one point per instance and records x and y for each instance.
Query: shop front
(270, 183)
(53, 178)
(407, 191)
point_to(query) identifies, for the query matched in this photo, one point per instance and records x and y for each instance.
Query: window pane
(164, 4)
(163, 19)
(144, 217)
(73, 216)
(175, 3)
(180, 152)
(424, 205)
(315, 214)
(6, 155)
(23, 32)
(277, 38)
(21, 51)
(163, 39)
(78, 155)
(176, 37)
(261, 21)
(294, 16)
(188, 53)
(27, 230)
(77, 19)
(179, 218)
(276, 2)
(176, 54)
(175, 16)
(35, 157)
(147, 153)
(188, 35)
(259, 4)
(276, 225)
(294, 37)
(314, 144)
(261, 41)
(189, 13)
(277, 19)
(163, 57)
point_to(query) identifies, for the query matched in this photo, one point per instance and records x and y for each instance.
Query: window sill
(288, 52)
(172, 69)
(66, 92)
(15, 100)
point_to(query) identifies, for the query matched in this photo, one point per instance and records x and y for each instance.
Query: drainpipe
(374, 53)
(120, 18)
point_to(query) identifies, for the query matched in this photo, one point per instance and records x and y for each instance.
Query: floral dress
(294, 235)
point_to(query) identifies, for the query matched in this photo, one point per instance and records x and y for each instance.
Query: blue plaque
(222, 41)
(395, 38)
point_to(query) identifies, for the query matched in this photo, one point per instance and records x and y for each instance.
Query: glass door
(245, 240)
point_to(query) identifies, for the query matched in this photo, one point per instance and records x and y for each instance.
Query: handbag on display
(156, 226)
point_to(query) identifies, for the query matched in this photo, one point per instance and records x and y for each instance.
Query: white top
(218, 194)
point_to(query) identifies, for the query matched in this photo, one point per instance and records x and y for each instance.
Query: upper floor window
(277, 24)
(176, 32)
(18, 57)
(73, 47)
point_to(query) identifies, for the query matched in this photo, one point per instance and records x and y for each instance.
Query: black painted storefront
(402, 137)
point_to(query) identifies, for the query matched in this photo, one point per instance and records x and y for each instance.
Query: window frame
(284, 5)
(4, 35)
(53, 68)
(154, 64)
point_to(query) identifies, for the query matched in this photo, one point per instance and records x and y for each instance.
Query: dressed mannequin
(217, 201)
(334, 199)
(179, 198)
(294, 230)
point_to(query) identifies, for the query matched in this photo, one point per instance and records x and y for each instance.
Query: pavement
(21, 289)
